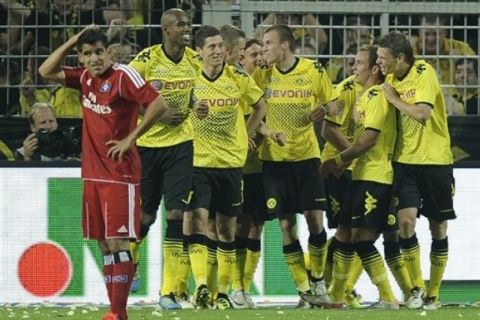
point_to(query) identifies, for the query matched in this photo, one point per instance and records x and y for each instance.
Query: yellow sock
(343, 258)
(241, 255)
(327, 274)
(317, 249)
(183, 272)
(296, 265)
(411, 255)
(135, 250)
(306, 258)
(356, 270)
(212, 269)
(373, 264)
(251, 263)
(197, 250)
(438, 260)
(172, 250)
(226, 265)
(396, 264)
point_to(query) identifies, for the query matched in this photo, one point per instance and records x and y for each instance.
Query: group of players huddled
(236, 147)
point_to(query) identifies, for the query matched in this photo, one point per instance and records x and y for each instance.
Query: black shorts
(293, 187)
(372, 206)
(254, 198)
(339, 199)
(430, 188)
(166, 172)
(218, 190)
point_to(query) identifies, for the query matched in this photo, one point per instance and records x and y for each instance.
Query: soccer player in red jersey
(111, 98)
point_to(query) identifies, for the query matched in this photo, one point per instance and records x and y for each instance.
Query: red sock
(107, 274)
(123, 272)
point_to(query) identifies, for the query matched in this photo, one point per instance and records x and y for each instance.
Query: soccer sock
(356, 270)
(135, 250)
(123, 271)
(395, 262)
(107, 274)
(172, 250)
(327, 274)
(251, 262)
(438, 260)
(317, 248)
(212, 268)
(373, 264)
(226, 265)
(197, 250)
(183, 269)
(411, 255)
(241, 255)
(342, 260)
(293, 255)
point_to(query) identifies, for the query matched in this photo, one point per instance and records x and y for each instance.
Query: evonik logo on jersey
(220, 102)
(90, 102)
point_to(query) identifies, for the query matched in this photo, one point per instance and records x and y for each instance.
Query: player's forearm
(51, 66)
(420, 112)
(152, 115)
(366, 141)
(256, 117)
(334, 135)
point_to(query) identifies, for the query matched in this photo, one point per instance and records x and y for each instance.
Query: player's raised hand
(390, 93)
(201, 110)
(118, 148)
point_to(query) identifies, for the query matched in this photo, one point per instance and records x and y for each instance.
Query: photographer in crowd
(46, 142)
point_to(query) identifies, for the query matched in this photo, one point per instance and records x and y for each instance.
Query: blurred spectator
(314, 35)
(52, 27)
(122, 50)
(42, 121)
(306, 51)
(8, 77)
(12, 14)
(464, 99)
(356, 35)
(65, 101)
(433, 40)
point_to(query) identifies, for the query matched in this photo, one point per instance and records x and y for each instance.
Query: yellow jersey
(419, 143)
(291, 96)
(65, 101)
(375, 113)
(221, 140)
(174, 80)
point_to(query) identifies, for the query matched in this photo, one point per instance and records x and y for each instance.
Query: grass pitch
(140, 313)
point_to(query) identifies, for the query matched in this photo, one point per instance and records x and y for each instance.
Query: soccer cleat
(353, 300)
(302, 304)
(431, 304)
(248, 299)
(111, 316)
(184, 301)
(223, 303)
(201, 297)
(324, 301)
(385, 305)
(415, 301)
(135, 286)
(238, 299)
(318, 287)
(168, 302)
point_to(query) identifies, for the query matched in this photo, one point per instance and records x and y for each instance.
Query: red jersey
(110, 108)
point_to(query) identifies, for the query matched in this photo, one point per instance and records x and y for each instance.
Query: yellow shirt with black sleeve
(221, 139)
(418, 143)
(348, 91)
(291, 96)
(174, 80)
(375, 113)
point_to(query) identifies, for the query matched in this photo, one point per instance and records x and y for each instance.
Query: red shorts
(110, 210)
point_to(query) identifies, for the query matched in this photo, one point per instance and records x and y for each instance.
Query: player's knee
(406, 227)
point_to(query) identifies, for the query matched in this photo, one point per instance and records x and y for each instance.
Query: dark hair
(91, 37)
(398, 44)
(251, 42)
(285, 34)
(231, 34)
(462, 61)
(203, 33)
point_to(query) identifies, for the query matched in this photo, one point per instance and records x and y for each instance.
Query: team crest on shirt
(271, 203)
(299, 81)
(157, 84)
(105, 87)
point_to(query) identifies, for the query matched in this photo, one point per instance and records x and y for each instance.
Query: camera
(58, 143)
